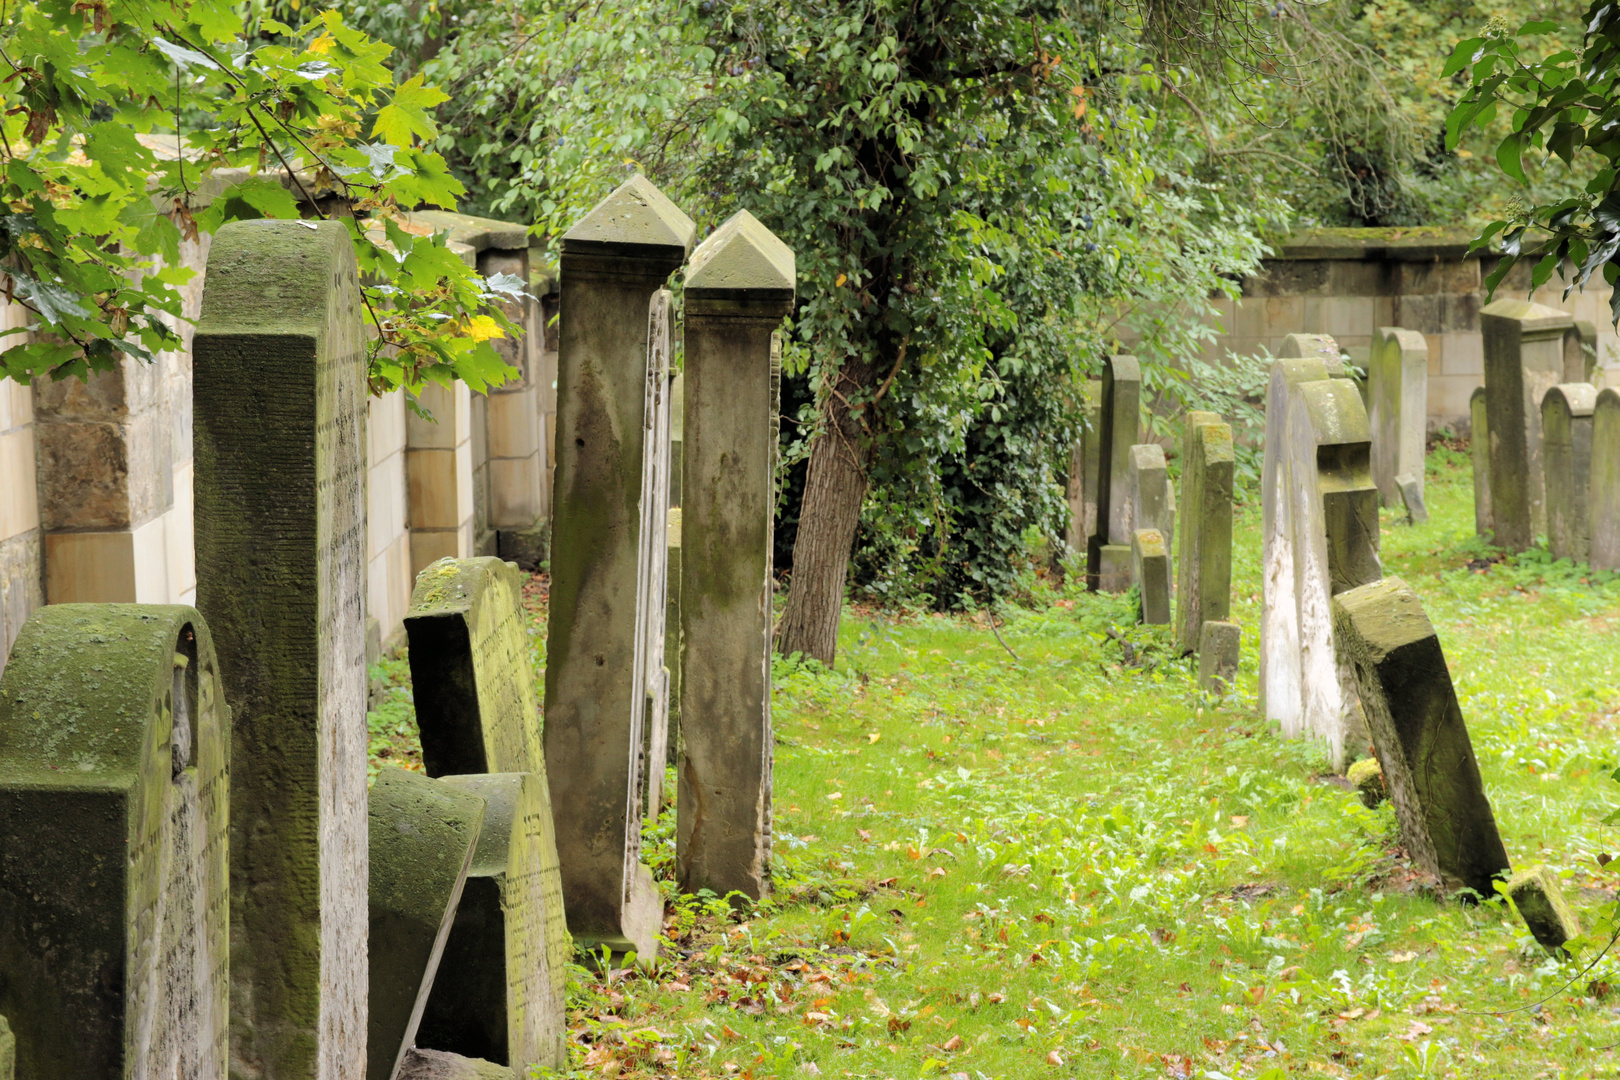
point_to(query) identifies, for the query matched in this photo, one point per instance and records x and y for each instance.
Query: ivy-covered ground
(1065, 864)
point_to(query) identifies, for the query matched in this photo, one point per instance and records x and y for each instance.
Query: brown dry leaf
(677, 987)
(951, 1044)
(938, 871)
(1054, 1058)
(996, 999)
(897, 1025)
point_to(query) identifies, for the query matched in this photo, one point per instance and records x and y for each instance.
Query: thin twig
(991, 617)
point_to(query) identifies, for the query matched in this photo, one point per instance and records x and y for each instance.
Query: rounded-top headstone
(741, 254)
(635, 213)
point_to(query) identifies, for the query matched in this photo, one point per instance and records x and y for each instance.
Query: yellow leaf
(482, 328)
(874, 737)
(322, 44)
(841, 279)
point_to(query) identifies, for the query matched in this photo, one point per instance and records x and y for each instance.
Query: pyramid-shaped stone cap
(637, 214)
(741, 255)
(1531, 315)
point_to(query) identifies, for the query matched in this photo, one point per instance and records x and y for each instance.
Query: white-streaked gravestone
(1479, 448)
(1524, 358)
(1566, 458)
(652, 589)
(1603, 495)
(613, 262)
(114, 877)
(1108, 563)
(498, 995)
(1398, 396)
(422, 835)
(1418, 731)
(472, 677)
(1204, 556)
(739, 287)
(1083, 464)
(279, 414)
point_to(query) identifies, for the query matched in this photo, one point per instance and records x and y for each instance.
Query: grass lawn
(1064, 864)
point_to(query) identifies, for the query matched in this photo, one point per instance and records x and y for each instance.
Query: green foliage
(118, 117)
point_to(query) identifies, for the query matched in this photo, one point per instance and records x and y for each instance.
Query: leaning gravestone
(1603, 494)
(1566, 458)
(1085, 459)
(1204, 558)
(1479, 448)
(739, 287)
(1411, 489)
(1524, 358)
(613, 262)
(422, 836)
(1417, 729)
(1398, 396)
(279, 411)
(1150, 568)
(472, 678)
(114, 889)
(1108, 562)
(498, 995)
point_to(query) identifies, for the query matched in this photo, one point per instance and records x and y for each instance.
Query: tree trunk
(834, 489)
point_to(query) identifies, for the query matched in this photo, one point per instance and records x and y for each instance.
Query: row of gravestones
(191, 865)
(1348, 655)
(1129, 510)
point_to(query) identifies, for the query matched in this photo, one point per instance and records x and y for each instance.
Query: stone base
(1112, 573)
(1218, 645)
(1540, 900)
(438, 1065)
(640, 921)
(529, 548)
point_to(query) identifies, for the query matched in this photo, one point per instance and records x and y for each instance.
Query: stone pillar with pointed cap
(613, 261)
(738, 289)
(1524, 358)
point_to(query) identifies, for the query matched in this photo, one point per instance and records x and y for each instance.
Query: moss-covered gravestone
(1150, 568)
(1398, 404)
(1108, 558)
(1204, 555)
(114, 888)
(472, 675)
(1603, 493)
(739, 287)
(1566, 459)
(498, 994)
(613, 262)
(1479, 449)
(1315, 347)
(1524, 358)
(1085, 458)
(423, 835)
(1417, 728)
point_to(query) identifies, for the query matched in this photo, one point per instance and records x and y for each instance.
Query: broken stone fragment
(1412, 495)
(438, 1065)
(1541, 904)
(1368, 778)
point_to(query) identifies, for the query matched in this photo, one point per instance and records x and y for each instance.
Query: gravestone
(1603, 494)
(1417, 728)
(472, 676)
(1417, 512)
(498, 995)
(1540, 901)
(672, 631)
(1580, 352)
(1108, 563)
(8, 1052)
(114, 887)
(1150, 563)
(422, 837)
(613, 262)
(739, 287)
(652, 589)
(1219, 644)
(279, 412)
(1398, 396)
(1315, 347)
(1083, 465)
(1204, 557)
(1149, 505)
(1566, 458)
(1524, 358)
(1479, 448)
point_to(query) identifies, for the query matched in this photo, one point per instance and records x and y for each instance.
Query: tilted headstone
(1204, 555)
(1411, 489)
(739, 287)
(472, 677)
(1417, 729)
(498, 995)
(1083, 465)
(1398, 403)
(1603, 493)
(279, 422)
(652, 591)
(1108, 563)
(1150, 567)
(1566, 459)
(114, 888)
(1524, 358)
(1540, 901)
(1479, 447)
(613, 262)
(1218, 649)
(422, 836)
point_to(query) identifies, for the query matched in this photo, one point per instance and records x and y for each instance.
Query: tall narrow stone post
(739, 288)
(1398, 402)
(1204, 556)
(1603, 494)
(1524, 358)
(279, 421)
(613, 261)
(1083, 463)
(1566, 428)
(1108, 563)
(1479, 449)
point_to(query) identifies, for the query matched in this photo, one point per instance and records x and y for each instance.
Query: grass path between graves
(1064, 865)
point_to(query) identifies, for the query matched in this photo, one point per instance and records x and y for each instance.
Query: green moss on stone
(1541, 904)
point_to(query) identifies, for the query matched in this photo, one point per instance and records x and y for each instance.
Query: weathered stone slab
(8, 1052)
(1083, 465)
(613, 262)
(738, 289)
(1566, 458)
(1398, 395)
(1524, 358)
(498, 994)
(422, 837)
(1603, 494)
(1219, 645)
(1580, 352)
(1150, 567)
(1316, 347)
(1114, 570)
(1204, 557)
(472, 675)
(437, 1065)
(1540, 901)
(279, 413)
(1417, 728)
(1121, 425)
(1479, 447)
(652, 589)
(1417, 512)
(672, 631)
(1147, 485)
(114, 847)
